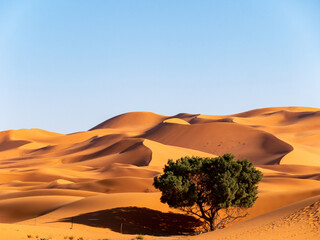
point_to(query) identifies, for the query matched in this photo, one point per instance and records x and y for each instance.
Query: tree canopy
(217, 190)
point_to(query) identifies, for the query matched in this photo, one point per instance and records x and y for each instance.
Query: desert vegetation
(217, 190)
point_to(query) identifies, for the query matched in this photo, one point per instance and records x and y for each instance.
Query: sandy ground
(101, 179)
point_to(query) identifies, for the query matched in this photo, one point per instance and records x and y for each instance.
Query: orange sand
(107, 172)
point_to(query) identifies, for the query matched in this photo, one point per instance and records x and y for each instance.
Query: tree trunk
(212, 220)
(212, 228)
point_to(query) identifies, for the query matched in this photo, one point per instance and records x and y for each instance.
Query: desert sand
(97, 184)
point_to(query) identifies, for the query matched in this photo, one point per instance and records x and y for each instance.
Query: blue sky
(66, 66)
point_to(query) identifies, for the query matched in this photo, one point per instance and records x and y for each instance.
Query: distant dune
(109, 170)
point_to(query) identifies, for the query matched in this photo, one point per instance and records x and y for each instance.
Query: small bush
(140, 237)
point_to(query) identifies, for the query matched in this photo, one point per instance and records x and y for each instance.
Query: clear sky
(66, 66)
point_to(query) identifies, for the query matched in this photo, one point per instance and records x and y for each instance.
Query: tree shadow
(134, 220)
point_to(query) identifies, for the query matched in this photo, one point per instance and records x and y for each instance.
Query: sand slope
(110, 168)
(299, 221)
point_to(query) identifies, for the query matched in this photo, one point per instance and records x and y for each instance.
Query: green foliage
(206, 186)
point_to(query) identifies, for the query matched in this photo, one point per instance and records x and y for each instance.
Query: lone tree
(217, 190)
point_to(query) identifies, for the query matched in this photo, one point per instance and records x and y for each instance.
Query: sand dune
(299, 220)
(136, 121)
(110, 168)
(219, 138)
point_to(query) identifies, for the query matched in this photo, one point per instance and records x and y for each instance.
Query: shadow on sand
(138, 221)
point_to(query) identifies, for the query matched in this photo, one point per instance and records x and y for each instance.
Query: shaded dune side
(8, 144)
(202, 119)
(95, 143)
(129, 145)
(219, 138)
(289, 117)
(185, 116)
